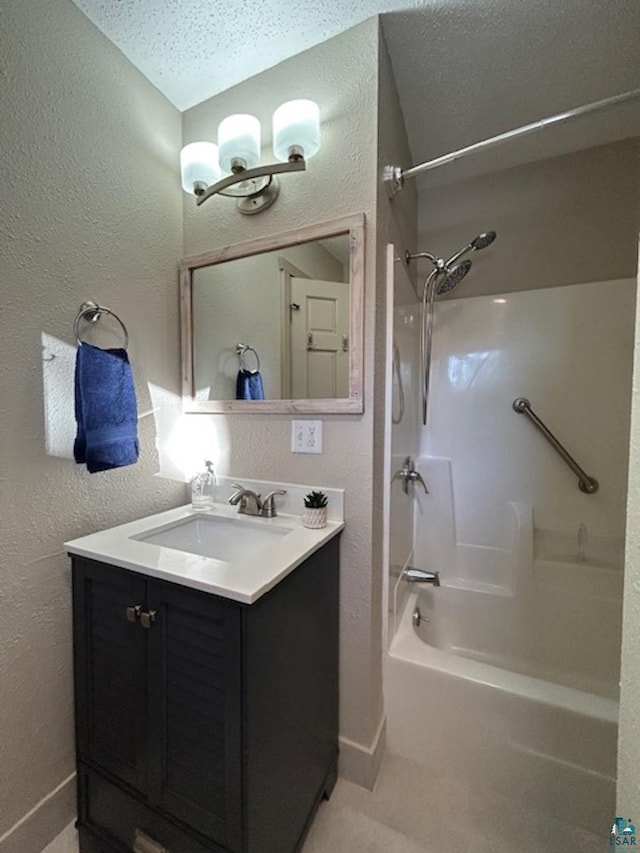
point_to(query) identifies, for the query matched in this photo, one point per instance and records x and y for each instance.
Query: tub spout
(421, 576)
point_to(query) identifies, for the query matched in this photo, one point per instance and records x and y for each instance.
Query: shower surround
(569, 351)
(510, 679)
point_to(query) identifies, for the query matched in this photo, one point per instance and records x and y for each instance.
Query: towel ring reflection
(241, 349)
(91, 312)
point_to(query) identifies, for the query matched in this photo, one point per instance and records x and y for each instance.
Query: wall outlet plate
(306, 436)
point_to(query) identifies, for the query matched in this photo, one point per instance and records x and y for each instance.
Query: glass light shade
(239, 139)
(296, 124)
(199, 165)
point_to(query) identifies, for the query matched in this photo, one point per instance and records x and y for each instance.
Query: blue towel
(106, 413)
(249, 385)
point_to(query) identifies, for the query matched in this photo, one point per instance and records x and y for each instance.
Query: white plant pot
(314, 517)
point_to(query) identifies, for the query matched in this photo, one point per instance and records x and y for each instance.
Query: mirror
(276, 325)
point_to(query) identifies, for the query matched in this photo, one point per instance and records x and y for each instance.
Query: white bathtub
(560, 628)
(494, 727)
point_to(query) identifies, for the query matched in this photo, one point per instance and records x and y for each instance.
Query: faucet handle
(239, 496)
(269, 504)
(408, 474)
(416, 477)
(236, 495)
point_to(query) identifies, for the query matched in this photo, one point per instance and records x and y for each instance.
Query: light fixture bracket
(250, 199)
(261, 200)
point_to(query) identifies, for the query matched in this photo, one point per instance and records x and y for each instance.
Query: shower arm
(395, 176)
(586, 484)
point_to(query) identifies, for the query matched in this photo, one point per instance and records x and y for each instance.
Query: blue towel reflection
(249, 385)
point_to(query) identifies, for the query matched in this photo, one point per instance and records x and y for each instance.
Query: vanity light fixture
(232, 167)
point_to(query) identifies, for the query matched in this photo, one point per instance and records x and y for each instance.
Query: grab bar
(586, 484)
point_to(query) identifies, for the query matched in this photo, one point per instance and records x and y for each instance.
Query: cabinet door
(195, 710)
(109, 653)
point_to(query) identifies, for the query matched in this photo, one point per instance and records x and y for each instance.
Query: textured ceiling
(465, 69)
(193, 49)
(470, 69)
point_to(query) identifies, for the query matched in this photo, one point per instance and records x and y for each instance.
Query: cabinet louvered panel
(221, 719)
(112, 684)
(195, 642)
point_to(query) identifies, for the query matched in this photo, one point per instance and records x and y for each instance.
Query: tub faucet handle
(408, 474)
(416, 477)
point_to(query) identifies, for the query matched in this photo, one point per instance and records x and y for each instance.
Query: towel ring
(241, 349)
(91, 312)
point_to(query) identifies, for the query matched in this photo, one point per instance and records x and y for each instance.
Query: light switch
(306, 436)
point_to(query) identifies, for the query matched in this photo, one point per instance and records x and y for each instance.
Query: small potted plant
(315, 510)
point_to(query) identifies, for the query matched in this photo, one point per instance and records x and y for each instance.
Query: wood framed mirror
(276, 325)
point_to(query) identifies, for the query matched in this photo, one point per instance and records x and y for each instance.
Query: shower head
(483, 240)
(480, 242)
(448, 274)
(444, 277)
(452, 277)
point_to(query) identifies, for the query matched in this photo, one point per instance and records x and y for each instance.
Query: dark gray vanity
(204, 724)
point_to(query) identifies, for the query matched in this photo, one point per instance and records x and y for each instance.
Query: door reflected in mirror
(282, 314)
(276, 325)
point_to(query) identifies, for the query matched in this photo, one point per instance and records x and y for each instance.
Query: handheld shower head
(444, 276)
(480, 242)
(483, 240)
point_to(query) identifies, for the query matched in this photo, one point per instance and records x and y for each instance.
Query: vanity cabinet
(204, 725)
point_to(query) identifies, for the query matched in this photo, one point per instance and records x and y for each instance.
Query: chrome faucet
(408, 474)
(269, 504)
(252, 504)
(421, 576)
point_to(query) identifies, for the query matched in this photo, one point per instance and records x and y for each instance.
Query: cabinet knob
(147, 618)
(133, 612)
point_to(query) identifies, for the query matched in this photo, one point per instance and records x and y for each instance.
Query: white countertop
(243, 581)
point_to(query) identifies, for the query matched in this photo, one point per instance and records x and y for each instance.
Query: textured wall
(628, 789)
(91, 208)
(341, 76)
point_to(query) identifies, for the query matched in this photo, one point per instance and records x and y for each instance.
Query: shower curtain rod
(395, 176)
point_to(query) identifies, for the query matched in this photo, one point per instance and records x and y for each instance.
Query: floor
(413, 810)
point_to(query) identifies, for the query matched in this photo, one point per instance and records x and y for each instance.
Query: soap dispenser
(203, 488)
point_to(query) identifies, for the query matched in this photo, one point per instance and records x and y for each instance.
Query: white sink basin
(228, 539)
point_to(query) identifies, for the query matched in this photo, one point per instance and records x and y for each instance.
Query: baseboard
(43, 822)
(358, 763)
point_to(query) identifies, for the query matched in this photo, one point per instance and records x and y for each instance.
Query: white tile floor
(413, 810)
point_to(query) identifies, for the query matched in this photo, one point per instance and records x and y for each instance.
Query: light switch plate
(306, 436)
